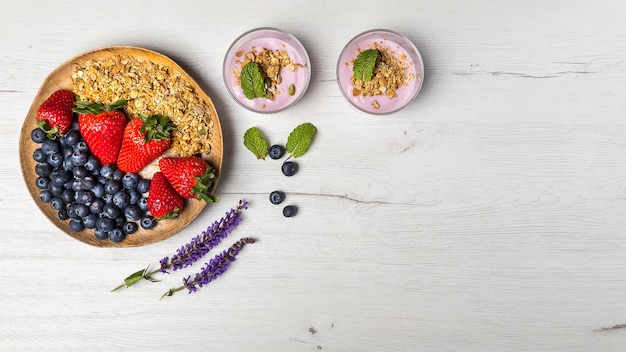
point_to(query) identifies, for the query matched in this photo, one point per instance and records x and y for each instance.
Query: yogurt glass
(270, 39)
(398, 45)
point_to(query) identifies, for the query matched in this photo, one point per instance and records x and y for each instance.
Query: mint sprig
(300, 139)
(255, 142)
(364, 64)
(252, 81)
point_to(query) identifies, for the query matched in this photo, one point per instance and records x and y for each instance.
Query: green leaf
(364, 64)
(254, 141)
(300, 139)
(252, 81)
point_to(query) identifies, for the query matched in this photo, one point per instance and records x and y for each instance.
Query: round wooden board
(60, 78)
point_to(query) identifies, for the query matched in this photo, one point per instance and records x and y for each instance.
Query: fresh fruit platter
(121, 147)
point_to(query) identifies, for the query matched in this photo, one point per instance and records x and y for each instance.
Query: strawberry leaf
(300, 139)
(254, 141)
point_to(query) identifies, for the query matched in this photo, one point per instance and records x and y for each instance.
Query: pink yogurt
(397, 44)
(271, 39)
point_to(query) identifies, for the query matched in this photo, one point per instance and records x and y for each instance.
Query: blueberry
(39, 156)
(56, 203)
(277, 197)
(97, 206)
(71, 211)
(76, 225)
(130, 180)
(90, 221)
(55, 160)
(276, 151)
(67, 153)
(56, 188)
(67, 165)
(42, 182)
(68, 196)
(76, 186)
(133, 212)
(130, 227)
(102, 179)
(80, 171)
(98, 190)
(121, 199)
(92, 164)
(116, 235)
(143, 185)
(45, 196)
(79, 158)
(62, 214)
(118, 175)
(101, 234)
(81, 146)
(290, 211)
(135, 196)
(289, 168)
(81, 210)
(87, 183)
(85, 197)
(72, 137)
(119, 221)
(107, 198)
(38, 135)
(43, 169)
(143, 204)
(107, 171)
(61, 176)
(112, 187)
(105, 224)
(50, 146)
(111, 211)
(147, 222)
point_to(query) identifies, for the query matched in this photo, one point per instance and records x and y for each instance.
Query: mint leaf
(300, 139)
(254, 141)
(252, 81)
(363, 68)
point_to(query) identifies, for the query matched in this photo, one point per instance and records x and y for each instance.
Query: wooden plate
(60, 78)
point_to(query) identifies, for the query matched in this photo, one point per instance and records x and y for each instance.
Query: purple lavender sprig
(194, 250)
(214, 268)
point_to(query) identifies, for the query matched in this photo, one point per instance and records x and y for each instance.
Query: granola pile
(150, 88)
(270, 62)
(389, 75)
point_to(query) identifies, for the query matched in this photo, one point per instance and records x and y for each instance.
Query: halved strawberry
(190, 176)
(163, 201)
(54, 115)
(145, 139)
(102, 127)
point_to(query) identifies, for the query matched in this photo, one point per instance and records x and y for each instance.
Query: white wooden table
(489, 215)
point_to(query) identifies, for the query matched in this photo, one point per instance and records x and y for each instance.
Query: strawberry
(55, 115)
(163, 201)
(145, 139)
(190, 176)
(102, 127)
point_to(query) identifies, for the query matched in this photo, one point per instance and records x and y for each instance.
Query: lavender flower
(194, 250)
(214, 268)
(203, 243)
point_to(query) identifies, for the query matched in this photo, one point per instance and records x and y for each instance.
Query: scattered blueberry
(289, 168)
(117, 175)
(135, 196)
(105, 224)
(71, 211)
(39, 156)
(45, 196)
(290, 210)
(38, 135)
(111, 211)
(81, 210)
(62, 214)
(98, 190)
(50, 146)
(76, 225)
(67, 153)
(55, 160)
(79, 158)
(120, 220)
(130, 180)
(121, 199)
(56, 203)
(61, 176)
(67, 196)
(107, 171)
(143, 204)
(80, 171)
(101, 234)
(81, 146)
(90, 221)
(92, 164)
(85, 197)
(87, 183)
(130, 227)
(277, 197)
(143, 185)
(56, 188)
(112, 187)
(116, 235)
(147, 222)
(133, 212)
(97, 206)
(72, 137)
(276, 151)
(43, 169)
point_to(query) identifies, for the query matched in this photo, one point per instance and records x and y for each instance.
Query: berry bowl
(33, 148)
(266, 70)
(395, 77)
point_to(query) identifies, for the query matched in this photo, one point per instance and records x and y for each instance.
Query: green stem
(171, 292)
(136, 277)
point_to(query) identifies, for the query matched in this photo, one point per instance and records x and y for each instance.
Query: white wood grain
(486, 216)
